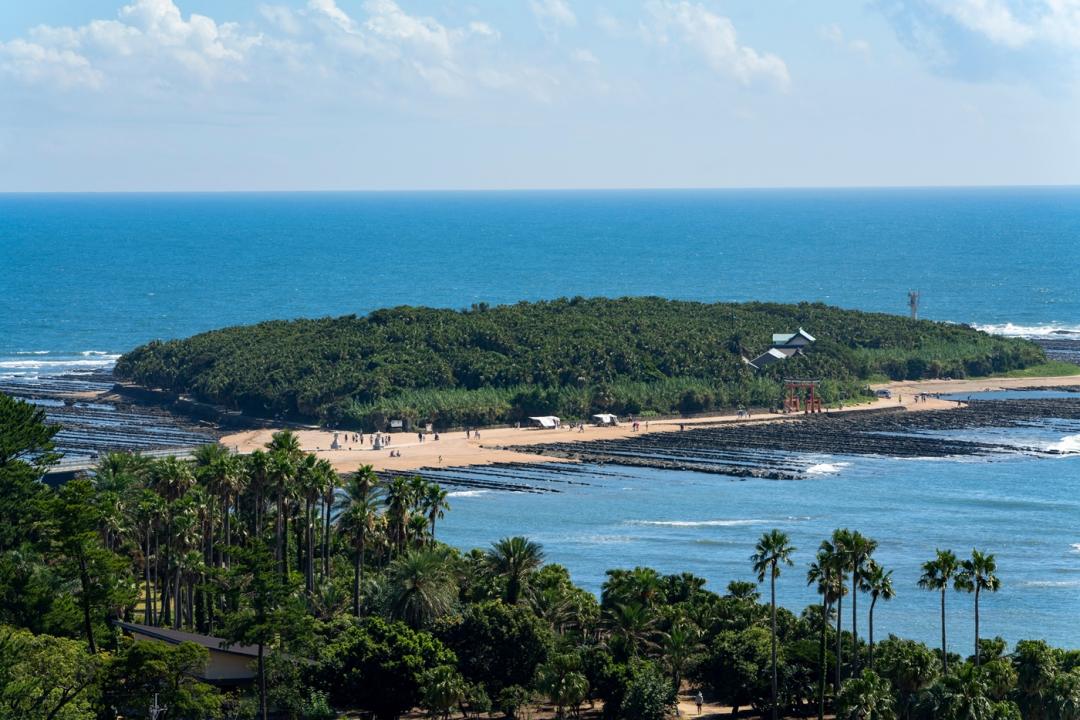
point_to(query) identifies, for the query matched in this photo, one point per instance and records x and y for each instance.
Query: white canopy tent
(549, 422)
(606, 419)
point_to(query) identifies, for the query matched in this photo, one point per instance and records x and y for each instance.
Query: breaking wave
(697, 523)
(467, 493)
(1052, 330)
(827, 468)
(1068, 444)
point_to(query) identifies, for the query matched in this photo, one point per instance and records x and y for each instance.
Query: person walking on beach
(699, 701)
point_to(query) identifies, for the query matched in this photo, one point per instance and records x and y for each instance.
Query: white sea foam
(94, 353)
(1075, 548)
(1051, 583)
(467, 493)
(1051, 330)
(826, 468)
(31, 352)
(98, 361)
(697, 523)
(1069, 444)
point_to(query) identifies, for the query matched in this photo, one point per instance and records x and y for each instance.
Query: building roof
(548, 421)
(767, 358)
(175, 637)
(785, 338)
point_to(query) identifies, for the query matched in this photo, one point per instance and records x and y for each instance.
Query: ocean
(85, 277)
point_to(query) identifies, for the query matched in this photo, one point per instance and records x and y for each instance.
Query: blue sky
(463, 94)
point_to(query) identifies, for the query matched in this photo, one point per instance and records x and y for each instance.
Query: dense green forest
(357, 608)
(570, 357)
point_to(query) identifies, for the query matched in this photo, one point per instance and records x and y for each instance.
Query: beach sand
(453, 449)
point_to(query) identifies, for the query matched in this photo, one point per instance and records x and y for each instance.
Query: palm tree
(859, 548)
(358, 514)
(680, 645)
(416, 529)
(258, 472)
(773, 549)
(171, 479)
(975, 575)
(880, 586)
(515, 559)
(631, 629)
(398, 502)
(825, 573)
(840, 544)
(423, 586)
(435, 504)
(936, 575)
(280, 475)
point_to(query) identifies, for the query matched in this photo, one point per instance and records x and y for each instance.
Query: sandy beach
(454, 449)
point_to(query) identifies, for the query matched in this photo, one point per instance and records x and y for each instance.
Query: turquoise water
(84, 277)
(1023, 510)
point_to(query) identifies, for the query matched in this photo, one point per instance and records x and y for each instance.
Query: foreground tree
(978, 574)
(379, 666)
(46, 678)
(867, 697)
(937, 574)
(773, 550)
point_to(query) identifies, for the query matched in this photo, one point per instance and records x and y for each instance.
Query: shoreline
(453, 449)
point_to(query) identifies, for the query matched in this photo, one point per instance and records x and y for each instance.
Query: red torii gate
(792, 399)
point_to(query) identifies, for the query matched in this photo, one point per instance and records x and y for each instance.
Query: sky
(213, 95)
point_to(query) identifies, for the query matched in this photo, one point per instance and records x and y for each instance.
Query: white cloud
(33, 63)
(149, 36)
(714, 39)
(1054, 22)
(991, 18)
(553, 12)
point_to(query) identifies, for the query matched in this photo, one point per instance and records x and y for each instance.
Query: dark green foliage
(649, 694)
(377, 666)
(142, 669)
(497, 645)
(737, 668)
(569, 356)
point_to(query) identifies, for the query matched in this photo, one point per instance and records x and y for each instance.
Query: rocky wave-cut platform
(773, 450)
(95, 422)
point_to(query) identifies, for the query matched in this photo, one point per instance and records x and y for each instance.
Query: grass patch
(1051, 368)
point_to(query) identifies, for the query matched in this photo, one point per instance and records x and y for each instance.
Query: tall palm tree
(358, 513)
(332, 481)
(423, 586)
(859, 549)
(824, 571)
(258, 472)
(280, 475)
(435, 504)
(515, 559)
(171, 479)
(936, 575)
(399, 500)
(880, 586)
(841, 544)
(975, 575)
(772, 550)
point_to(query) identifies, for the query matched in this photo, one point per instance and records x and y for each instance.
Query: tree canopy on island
(571, 357)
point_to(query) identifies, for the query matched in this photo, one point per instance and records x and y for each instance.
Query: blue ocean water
(85, 277)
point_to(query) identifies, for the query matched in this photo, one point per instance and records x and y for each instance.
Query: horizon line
(547, 189)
